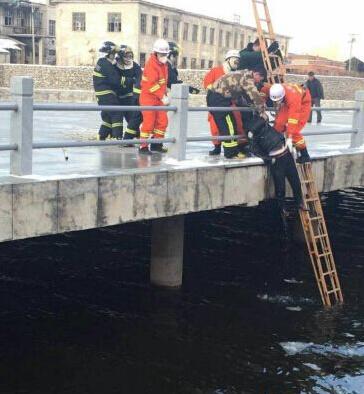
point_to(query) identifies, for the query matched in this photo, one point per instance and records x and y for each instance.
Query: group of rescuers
(241, 81)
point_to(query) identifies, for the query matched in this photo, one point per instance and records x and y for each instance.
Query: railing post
(178, 120)
(21, 125)
(357, 139)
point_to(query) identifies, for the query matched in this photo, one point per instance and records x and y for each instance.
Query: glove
(165, 100)
(193, 90)
(289, 144)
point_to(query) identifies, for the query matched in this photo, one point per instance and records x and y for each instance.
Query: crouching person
(270, 145)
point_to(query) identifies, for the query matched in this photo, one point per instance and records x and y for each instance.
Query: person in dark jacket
(251, 57)
(106, 81)
(173, 77)
(317, 94)
(270, 145)
(130, 78)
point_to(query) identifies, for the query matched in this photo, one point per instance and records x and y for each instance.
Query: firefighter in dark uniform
(130, 78)
(172, 68)
(232, 86)
(106, 81)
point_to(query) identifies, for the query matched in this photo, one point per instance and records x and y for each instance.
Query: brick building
(302, 64)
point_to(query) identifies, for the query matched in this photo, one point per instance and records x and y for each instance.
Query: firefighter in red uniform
(154, 93)
(294, 107)
(230, 64)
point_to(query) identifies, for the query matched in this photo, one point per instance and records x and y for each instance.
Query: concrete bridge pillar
(167, 251)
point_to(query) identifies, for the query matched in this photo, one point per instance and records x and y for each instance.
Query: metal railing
(21, 142)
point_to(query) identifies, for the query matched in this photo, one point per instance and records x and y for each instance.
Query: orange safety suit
(294, 113)
(153, 88)
(213, 75)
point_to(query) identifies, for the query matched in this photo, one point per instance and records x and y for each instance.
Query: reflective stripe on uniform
(96, 74)
(103, 92)
(129, 131)
(126, 95)
(162, 81)
(117, 124)
(122, 81)
(300, 142)
(136, 90)
(229, 144)
(144, 78)
(292, 121)
(230, 125)
(144, 135)
(106, 124)
(209, 86)
(159, 132)
(154, 88)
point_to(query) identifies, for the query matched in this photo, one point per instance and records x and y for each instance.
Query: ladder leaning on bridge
(313, 221)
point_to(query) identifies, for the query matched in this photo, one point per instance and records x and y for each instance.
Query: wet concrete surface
(90, 161)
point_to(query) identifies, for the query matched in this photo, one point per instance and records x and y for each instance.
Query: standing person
(173, 77)
(227, 88)
(130, 78)
(293, 103)
(317, 94)
(154, 93)
(230, 64)
(106, 81)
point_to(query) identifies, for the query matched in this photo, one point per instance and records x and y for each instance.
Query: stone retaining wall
(57, 78)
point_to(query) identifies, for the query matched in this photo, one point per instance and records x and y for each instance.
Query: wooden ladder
(272, 63)
(317, 239)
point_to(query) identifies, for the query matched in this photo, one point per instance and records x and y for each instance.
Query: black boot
(216, 151)
(158, 148)
(304, 157)
(144, 150)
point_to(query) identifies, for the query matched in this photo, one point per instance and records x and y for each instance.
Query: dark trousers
(112, 122)
(316, 102)
(283, 168)
(225, 122)
(133, 119)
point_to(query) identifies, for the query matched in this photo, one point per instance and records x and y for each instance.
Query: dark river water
(77, 313)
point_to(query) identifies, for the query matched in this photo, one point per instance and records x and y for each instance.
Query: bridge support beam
(167, 251)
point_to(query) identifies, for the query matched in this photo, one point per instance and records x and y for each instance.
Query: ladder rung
(333, 291)
(312, 199)
(329, 273)
(309, 181)
(320, 236)
(259, 2)
(315, 218)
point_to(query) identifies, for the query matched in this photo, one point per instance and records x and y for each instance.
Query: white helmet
(161, 46)
(277, 92)
(232, 53)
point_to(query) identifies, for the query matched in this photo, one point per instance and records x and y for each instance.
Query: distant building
(83, 25)
(302, 64)
(356, 65)
(16, 32)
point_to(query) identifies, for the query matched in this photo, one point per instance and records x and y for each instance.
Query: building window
(204, 35)
(78, 21)
(165, 27)
(227, 39)
(114, 22)
(142, 58)
(185, 31)
(143, 23)
(220, 38)
(154, 25)
(52, 52)
(8, 18)
(212, 36)
(175, 30)
(184, 62)
(20, 18)
(202, 64)
(194, 34)
(235, 40)
(193, 63)
(52, 27)
(211, 63)
(242, 41)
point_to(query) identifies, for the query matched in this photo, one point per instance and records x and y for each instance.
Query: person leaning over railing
(130, 78)
(106, 81)
(230, 87)
(154, 93)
